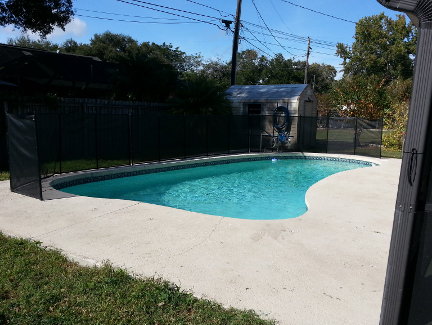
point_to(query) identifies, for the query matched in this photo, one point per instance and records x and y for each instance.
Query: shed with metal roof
(262, 101)
(298, 98)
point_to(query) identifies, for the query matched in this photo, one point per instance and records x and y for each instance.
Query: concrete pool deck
(325, 267)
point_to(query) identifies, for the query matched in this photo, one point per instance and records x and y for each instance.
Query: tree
(383, 47)
(399, 92)
(111, 47)
(25, 41)
(250, 68)
(281, 71)
(322, 77)
(360, 96)
(38, 16)
(218, 71)
(198, 94)
(381, 57)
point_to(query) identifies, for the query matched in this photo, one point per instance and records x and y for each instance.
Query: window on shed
(254, 109)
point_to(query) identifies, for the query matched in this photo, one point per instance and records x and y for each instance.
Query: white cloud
(75, 28)
(7, 32)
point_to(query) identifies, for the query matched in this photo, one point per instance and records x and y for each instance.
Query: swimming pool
(259, 189)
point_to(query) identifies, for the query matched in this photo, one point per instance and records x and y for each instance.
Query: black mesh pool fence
(54, 142)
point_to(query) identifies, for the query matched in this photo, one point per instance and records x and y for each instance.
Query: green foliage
(360, 96)
(393, 139)
(250, 67)
(41, 44)
(4, 176)
(382, 47)
(254, 69)
(39, 16)
(218, 71)
(396, 119)
(153, 72)
(322, 77)
(279, 70)
(198, 94)
(377, 74)
(325, 104)
(40, 286)
(111, 47)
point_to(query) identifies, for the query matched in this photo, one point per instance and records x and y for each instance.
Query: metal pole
(328, 127)
(207, 135)
(381, 136)
(229, 133)
(96, 140)
(60, 140)
(130, 137)
(159, 139)
(184, 135)
(355, 135)
(38, 156)
(307, 61)
(249, 134)
(235, 43)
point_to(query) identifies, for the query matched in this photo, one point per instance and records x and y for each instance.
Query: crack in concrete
(201, 242)
(86, 221)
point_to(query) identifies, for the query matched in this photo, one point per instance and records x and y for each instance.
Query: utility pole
(235, 43)
(307, 61)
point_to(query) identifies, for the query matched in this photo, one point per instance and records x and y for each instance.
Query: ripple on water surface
(249, 190)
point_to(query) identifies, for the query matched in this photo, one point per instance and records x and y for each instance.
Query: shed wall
(303, 112)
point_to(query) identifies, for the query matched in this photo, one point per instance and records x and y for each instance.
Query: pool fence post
(159, 137)
(249, 134)
(184, 135)
(229, 133)
(38, 155)
(381, 136)
(355, 134)
(60, 139)
(327, 131)
(96, 138)
(130, 136)
(207, 134)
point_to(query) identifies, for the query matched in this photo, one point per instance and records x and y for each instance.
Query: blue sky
(215, 43)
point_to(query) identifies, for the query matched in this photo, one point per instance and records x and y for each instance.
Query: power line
(280, 17)
(259, 41)
(209, 7)
(176, 9)
(247, 41)
(319, 12)
(125, 15)
(289, 36)
(253, 2)
(294, 36)
(139, 21)
(294, 48)
(169, 13)
(327, 47)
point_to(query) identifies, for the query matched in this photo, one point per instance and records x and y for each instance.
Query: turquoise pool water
(260, 190)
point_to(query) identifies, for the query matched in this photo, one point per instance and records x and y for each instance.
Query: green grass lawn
(41, 286)
(347, 135)
(390, 153)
